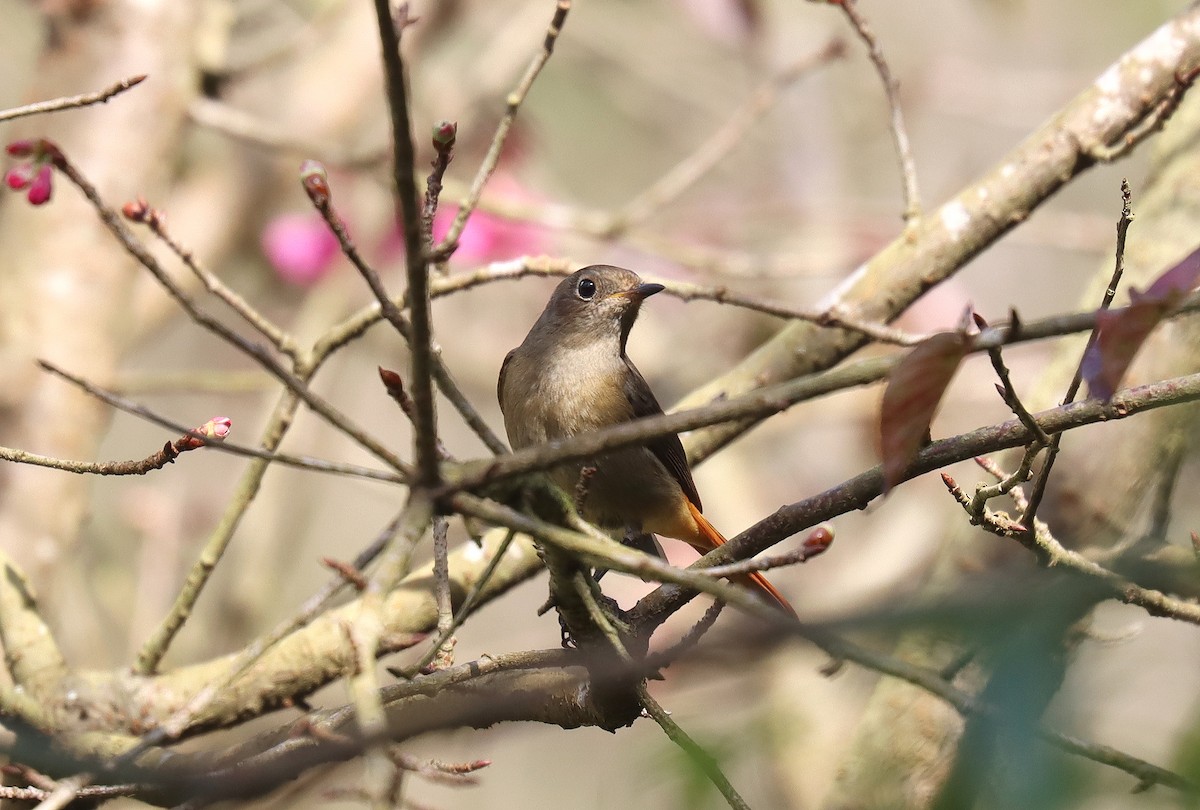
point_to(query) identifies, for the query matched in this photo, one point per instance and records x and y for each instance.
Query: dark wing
(500, 380)
(667, 449)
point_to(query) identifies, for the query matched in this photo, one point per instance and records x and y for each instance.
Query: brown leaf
(914, 389)
(1121, 332)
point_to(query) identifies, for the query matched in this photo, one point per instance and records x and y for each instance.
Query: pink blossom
(19, 176)
(216, 428)
(36, 172)
(487, 237)
(41, 188)
(299, 247)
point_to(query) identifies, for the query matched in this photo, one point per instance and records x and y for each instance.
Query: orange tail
(755, 580)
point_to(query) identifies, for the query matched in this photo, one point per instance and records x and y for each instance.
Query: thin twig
(174, 727)
(468, 606)
(703, 760)
(834, 317)
(1153, 120)
(408, 218)
(444, 652)
(358, 323)
(1043, 474)
(891, 87)
(1052, 554)
(365, 632)
(512, 105)
(685, 173)
(1009, 394)
(142, 412)
(72, 102)
(140, 211)
(690, 639)
(112, 220)
(191, 440)
(316, 185)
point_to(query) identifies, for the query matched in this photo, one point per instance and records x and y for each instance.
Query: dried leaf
(1120, 333)
(915, 387)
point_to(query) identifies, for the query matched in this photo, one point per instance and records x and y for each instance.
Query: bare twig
(259, 354)
(317, 186)
(72, 102)
(140, 211)
(512, 105)
(1153, 120)
(891, 87)
(174, 727)
(685, 173)
(1043, 474)
(225, 446)
(465, 610)
(444, 136)
(444, 655)
(1051, 553)
(703, 760)
(689, 640)
(212, 432)
(408, 217)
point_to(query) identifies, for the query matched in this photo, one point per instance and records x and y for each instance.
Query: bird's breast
(572, 392)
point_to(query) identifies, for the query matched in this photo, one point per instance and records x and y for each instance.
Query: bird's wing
(500, 382)
(667, 449)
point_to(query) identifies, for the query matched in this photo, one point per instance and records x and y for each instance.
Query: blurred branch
(859, 491)
(1051, 554)
(248, 128)
(891, 88)
(937, 245)
(512, 105)
(684, 174)
(72, 102)
(704, 760)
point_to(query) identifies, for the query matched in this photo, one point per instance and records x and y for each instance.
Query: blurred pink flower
(487, 237)
(300, 247)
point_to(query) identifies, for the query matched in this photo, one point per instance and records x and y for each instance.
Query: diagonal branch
(936, 246)
(408, 216)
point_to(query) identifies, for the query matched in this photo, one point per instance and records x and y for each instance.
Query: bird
(571, 375)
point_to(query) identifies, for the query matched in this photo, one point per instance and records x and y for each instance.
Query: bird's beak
(641, 291)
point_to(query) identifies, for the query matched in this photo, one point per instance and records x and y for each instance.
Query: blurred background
(240, 91)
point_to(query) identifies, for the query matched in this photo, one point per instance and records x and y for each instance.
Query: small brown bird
(570, 376)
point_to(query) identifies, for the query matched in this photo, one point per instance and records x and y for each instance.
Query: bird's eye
(586, 289)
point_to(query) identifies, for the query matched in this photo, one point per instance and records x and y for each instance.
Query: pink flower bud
(444, 134)
(22, 148)
(41, 187)
(316, 182)
(216, 428)
(19, 176)
(136, 210)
